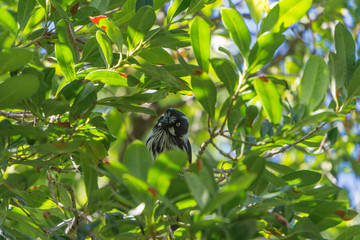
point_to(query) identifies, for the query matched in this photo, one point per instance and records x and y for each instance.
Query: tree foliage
(270, 91)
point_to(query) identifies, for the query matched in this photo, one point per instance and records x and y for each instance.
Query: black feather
(170, 132)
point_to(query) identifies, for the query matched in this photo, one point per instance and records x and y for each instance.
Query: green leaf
(105, 48)
(197, 189)
(160, 73)
(25, 8)
(345, 52)
(349, 233)
(256, 8)
(226, 72)
(302, 178)
(205, 91)
(176, 8)
(84, 101)
(65, 34)
(284, 14)
(230, 191)
(314, 83)
(112, 31)
(139, 25)
(109, 77)
(18, 88)
(157, 56)
(200, 41)
(270, 99)
(66, 61)
(8, 21)
(236, 26)
(173, 39)
(354, 86)
(55, 106)
(165, 168)
(263, 50)
(306, 228)
(15, 59)
(141, 3)
(88, 168)
(137, 159)
(126, 107)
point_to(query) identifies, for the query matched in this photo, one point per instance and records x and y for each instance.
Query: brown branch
(287, 146)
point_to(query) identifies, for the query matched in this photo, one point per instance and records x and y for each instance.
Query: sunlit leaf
(108, 77)
(284, 14)
(18, 88)
(263, 50)
(314, 83)
(166, 167)
(15, 59)
(226, 73)
(66, 61)
(270, 98)
(205, 91)
(139, 25)
(105, 48)
(256, 8)
(200, 41)
(137, 159)
(237, 28)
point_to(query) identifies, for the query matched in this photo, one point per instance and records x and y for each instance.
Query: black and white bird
(170, 132)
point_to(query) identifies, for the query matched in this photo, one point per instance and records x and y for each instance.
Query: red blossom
(123, 74)
(97, 19)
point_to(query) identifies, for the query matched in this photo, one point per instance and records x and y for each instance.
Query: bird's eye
(178, 124)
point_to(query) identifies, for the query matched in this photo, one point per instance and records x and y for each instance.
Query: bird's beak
(164, 121)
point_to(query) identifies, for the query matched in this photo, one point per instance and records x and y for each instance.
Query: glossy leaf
(354, 86)
(349, 233)
(112, 31)
(200, 41)
(66, 61)
(226, 73)
(160, 73)
(270, 99)
(205, 91)
(88, 166)
(66, 35)
(25, 8)
(263, 50)
(314, 83)
(137, 159)
(284, 14)
(84, 101)
(105, 48)
(18, 88)
(157, 56)
(302, 178)
(197, 189)
(139, 25)
(108, 77)
(237, 28)
(8, 21)
(345, 52)
(165, 168)
(256, 8)
(176, 8)
(15, 59)
(230, 191)
(140, 3)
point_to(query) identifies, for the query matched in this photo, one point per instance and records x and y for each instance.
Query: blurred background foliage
(270, 90)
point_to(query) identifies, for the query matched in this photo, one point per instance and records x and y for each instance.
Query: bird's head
(174, 122)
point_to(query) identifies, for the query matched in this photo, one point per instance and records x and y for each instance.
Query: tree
(272, 113)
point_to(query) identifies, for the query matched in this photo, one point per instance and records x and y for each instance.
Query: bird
(171, 132)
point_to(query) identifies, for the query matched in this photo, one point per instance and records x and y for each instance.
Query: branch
(287, 146)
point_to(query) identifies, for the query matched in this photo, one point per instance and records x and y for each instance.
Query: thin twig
(222, 152)
(238, 140)
(287, 146)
